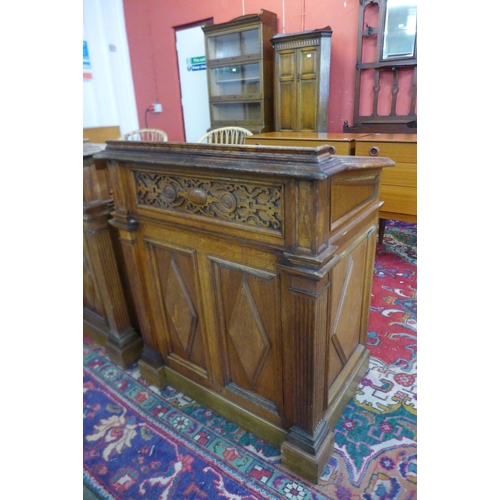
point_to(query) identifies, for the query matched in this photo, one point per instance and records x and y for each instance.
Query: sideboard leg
(381, 230)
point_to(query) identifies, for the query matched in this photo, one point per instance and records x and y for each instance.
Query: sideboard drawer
(403, 174)
(397, 151)
(399, 199)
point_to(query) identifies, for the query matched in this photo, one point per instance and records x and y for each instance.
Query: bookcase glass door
(242, 43)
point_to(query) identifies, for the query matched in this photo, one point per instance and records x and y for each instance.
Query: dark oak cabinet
(240, 70)
(302, 80)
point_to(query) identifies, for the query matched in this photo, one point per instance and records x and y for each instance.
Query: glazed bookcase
(240, 72)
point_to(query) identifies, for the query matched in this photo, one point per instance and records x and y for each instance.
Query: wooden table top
(386, 137)
(307, 136)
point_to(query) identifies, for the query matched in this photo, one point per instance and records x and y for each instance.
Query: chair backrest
(226, 135)
(145, 134)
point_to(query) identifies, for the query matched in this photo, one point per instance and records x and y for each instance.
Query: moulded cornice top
(284, 161)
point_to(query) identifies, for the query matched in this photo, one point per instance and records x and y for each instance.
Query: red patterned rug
(142, 443)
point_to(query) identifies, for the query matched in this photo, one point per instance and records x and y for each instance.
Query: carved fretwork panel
(254, 205)
(347, 291)
(180, 334)
(250, 327)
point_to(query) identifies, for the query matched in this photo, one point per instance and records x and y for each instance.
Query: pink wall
(150, 29)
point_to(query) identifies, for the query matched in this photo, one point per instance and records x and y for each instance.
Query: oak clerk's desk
(251, 269)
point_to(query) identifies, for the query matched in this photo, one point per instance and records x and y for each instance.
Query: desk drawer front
(399, 152)
(257, 206)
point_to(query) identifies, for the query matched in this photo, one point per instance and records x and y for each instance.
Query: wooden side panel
(346, 308)
(351, 192)
(92, 300)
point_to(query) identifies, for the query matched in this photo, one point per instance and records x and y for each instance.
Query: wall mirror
(400, 29)
(385, 94)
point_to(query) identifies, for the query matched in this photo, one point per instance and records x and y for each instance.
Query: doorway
(190, 45)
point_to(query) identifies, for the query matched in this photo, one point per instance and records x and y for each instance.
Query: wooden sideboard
(251, 269)
(108, 311)
(344, 144)
(398, 186)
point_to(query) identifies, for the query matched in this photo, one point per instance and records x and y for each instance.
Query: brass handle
(374, 151)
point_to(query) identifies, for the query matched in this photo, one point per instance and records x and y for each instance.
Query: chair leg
(381, 230)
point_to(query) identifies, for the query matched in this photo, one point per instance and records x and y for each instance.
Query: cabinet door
(286, 95)
(307, 89)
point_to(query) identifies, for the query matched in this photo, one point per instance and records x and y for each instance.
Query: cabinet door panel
(286, 65)
(307, 63)
(307, 109)
(248, 305)
(179, 329)
(287, 106)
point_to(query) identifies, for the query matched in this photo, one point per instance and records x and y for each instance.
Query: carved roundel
(227, 203)
(170, 193)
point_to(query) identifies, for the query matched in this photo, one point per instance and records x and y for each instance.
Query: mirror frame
(375, 123)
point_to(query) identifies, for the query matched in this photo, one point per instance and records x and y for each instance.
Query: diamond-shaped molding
(180, 307)
(248, 334)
